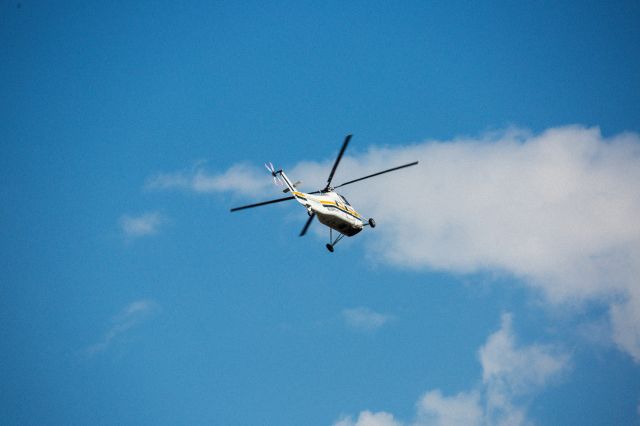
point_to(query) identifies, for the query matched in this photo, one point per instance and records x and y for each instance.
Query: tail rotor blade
(269, 167)
(306, 225)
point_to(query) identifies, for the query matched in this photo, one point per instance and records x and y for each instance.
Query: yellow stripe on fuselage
(345, 209)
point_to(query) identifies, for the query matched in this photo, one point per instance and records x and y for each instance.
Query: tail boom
(301, 197)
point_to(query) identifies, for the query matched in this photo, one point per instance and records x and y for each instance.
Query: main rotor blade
(335, 165)
(235, 209)
(376, 174)
(306, 225)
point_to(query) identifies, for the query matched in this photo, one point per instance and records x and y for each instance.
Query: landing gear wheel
(372, 223)
(330, 248)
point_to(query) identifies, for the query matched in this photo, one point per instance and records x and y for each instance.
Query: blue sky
(499, 286)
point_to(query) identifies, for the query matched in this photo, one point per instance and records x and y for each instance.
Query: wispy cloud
(241, 179)
(463, 409)
(510, 374)
(139, 226)
(367, 418)
(364, 319)
(559, 210)
(129, 317)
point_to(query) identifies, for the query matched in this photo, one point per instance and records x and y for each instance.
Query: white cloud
(625, 319)
(130, 316)
(138, 226)
(516, 370)
(559, 210)
(367, 418)
(509, 372)
(560, 206)
(462, 409)
(364, 319)
(240, 179)
(511, 375)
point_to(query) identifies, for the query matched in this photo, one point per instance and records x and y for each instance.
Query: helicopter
(332, 209)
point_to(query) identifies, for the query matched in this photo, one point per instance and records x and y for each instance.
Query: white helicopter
(332, 209)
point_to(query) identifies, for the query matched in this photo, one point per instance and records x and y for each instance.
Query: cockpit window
(345, 200)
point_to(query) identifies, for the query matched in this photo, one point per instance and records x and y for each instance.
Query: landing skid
(333, 242)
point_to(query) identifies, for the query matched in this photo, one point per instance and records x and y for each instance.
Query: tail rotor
(272, 170)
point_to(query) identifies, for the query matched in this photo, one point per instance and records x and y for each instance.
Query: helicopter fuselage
(333, 210)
